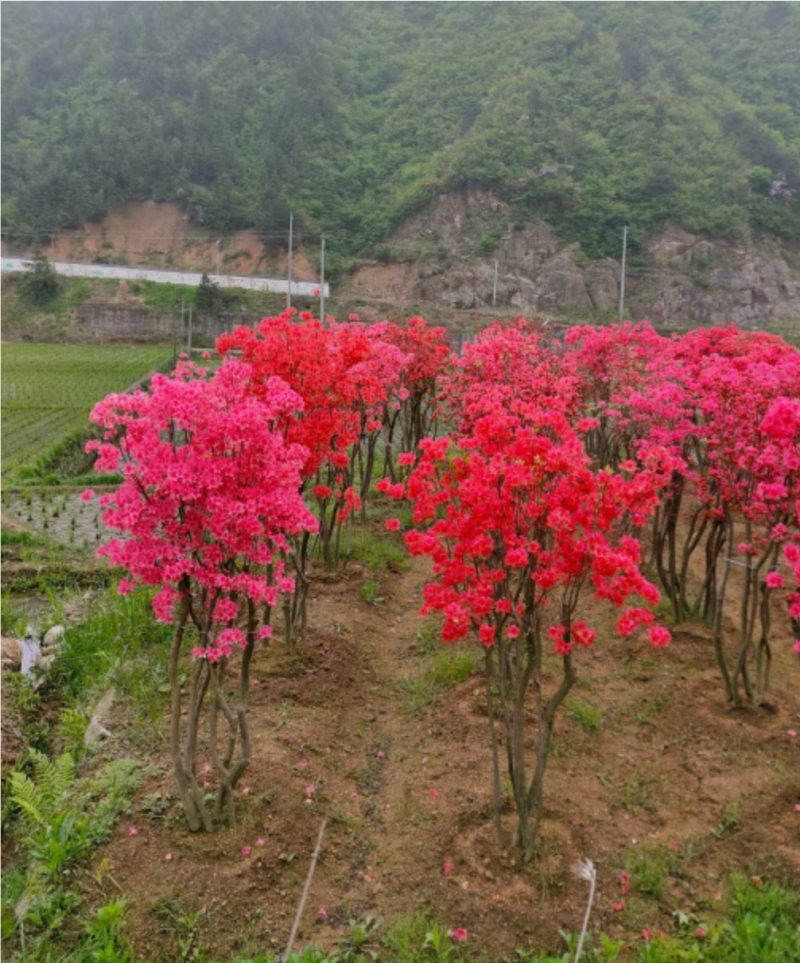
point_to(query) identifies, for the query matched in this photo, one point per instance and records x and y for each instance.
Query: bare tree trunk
(188, 790)
(719, 604)
(498, 826)
(543, 743)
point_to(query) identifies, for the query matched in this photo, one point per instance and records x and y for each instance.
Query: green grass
(49, 389)
(447, 668)
(122, 645)
(376, 550)
(650, 869)
(586, 716)
(8, 617)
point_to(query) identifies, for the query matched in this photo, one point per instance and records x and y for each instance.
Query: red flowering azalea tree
(520, 529)
(209, 498)
(306, 355)
(413, 414)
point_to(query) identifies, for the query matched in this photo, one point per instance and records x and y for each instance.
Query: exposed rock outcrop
(467, 252)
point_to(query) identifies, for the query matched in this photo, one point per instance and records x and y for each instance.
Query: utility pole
(322, 278)
(494, 286)
(622, 277)
(217, 256)
(289, 286)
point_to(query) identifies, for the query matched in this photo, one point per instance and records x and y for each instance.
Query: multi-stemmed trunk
(209, 677)
(512, 667)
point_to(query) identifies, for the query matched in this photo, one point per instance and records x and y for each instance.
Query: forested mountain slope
(355, 115)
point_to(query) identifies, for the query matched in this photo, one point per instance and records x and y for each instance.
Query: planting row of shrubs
(542, 473)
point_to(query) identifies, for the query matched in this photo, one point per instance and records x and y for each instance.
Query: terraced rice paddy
(48, 390)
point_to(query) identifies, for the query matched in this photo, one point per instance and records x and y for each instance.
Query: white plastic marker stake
(306, 888)
(585, 870)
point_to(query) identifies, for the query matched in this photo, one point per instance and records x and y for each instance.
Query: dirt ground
(672, 772)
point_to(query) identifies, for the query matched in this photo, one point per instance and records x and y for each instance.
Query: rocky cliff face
(445, 257)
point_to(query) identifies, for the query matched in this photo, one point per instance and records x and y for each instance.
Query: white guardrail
(115, 273)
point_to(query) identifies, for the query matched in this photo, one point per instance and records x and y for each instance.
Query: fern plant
(38, 799)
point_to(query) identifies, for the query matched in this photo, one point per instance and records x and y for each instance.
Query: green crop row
(48, 391)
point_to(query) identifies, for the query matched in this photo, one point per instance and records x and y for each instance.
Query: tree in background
(40, 284)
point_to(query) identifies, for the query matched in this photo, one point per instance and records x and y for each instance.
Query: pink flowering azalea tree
(209, 499)
(521, 529)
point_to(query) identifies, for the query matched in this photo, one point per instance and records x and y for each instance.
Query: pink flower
(206, 785)
(647, 934)
(486, 634)
(392, 524)
(625, 883)
(774, 580)
(673, 846)
(245, 850)
(206, 355)
(700, 933)
(168, 856)
(309, 790)
(368, 877)
(791, 733)
(619, 907)
(206, 768)
(316, 292)
(246, 791)
(381, 754)
(797, 808)
(447, 868)
(322, 913)
(434, 793)
(352, 317)
(659, 636)
(303, 763)
(255, 682)
(459, 934)
(512, 632)
(88, 495)
(259, 841)
(133, 831)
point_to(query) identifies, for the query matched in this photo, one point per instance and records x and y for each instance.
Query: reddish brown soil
(161, 235)
(405, 793)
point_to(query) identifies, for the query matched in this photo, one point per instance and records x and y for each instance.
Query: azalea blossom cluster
(210, 497)
(565, 464)
(212, 506)
(521, 524)
(725, 403)
(359, 385)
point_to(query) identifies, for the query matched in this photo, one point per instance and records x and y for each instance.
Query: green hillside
(355, 114)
